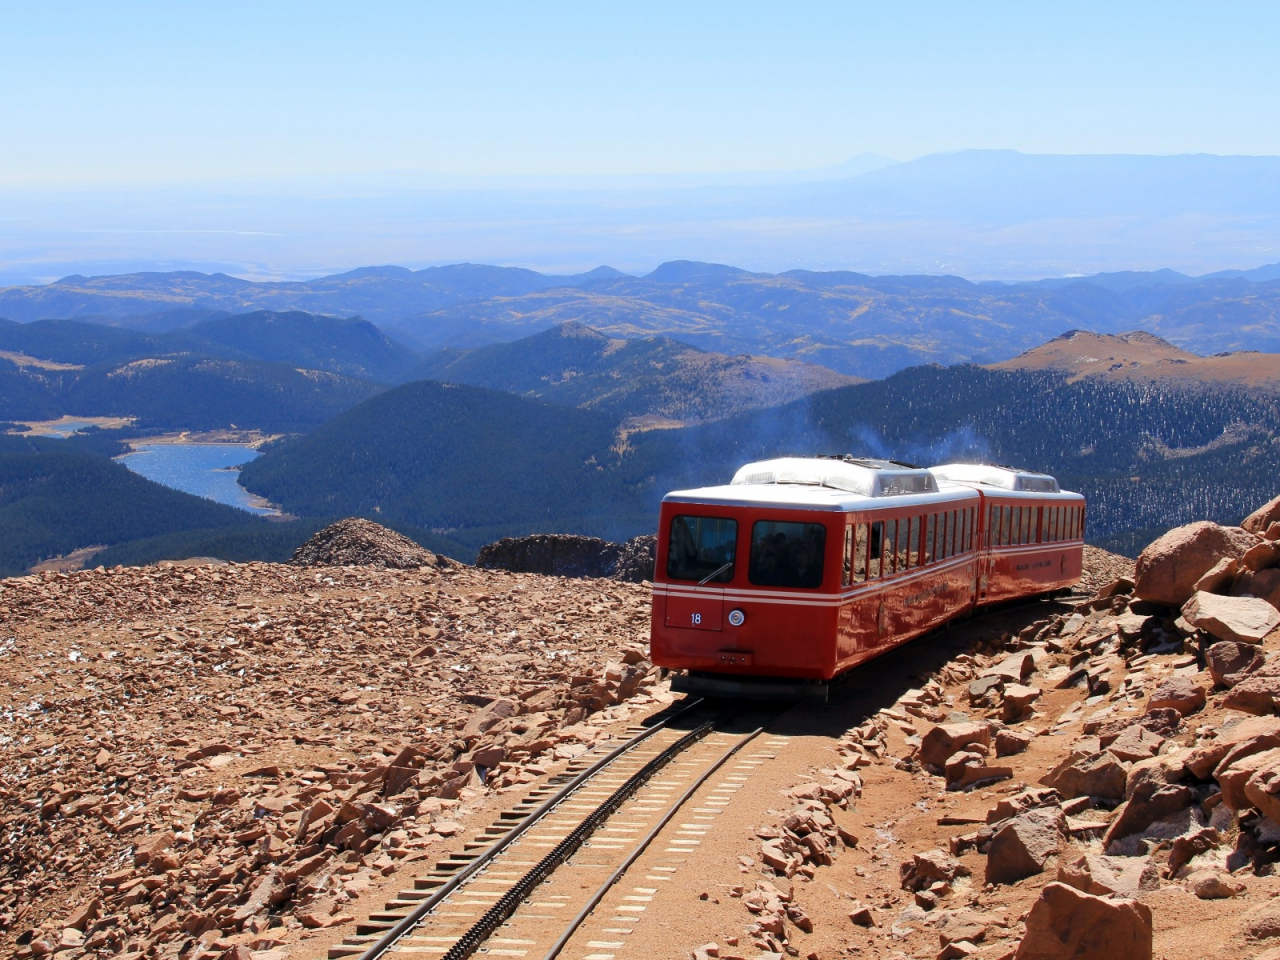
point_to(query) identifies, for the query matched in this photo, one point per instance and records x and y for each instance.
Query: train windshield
(702, 549)
(785, 554)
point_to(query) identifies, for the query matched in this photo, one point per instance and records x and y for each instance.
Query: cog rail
(518, 900)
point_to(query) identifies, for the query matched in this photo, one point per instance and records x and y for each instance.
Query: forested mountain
(474, 464)
(853, 323)
(182, 393)
(353, 347)
(57, 496)
(573, 365)
(461, 461)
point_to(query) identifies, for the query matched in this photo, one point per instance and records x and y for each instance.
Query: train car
(1032, 530)
(802, 568)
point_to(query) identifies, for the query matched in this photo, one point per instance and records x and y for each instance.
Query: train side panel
(1031, 545)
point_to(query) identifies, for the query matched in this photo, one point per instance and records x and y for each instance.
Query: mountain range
(855, 324)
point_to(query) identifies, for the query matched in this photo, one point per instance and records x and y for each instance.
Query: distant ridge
(1139, 355)
(853, 323)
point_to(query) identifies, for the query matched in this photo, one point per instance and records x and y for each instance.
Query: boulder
(942, 741)
(486, 717)
(1261, 556)
(1167, 570)
(1163, 769)
(1068, 924)
(933, 866)
(1017, 702)
(1009, 742)
(1235, 742)
(1219, 577)
(1214, 885)
(1234, 773)
(1262, 788)
(1135, 742)
(1230, 661)
(1152, 800)
(1181, 693)
(1246, 619)
(1023, 846)
(1257, 694)
(1110, 876)
(1263, 584)
(1088, 775)
(1263, 517)
(1013, 669)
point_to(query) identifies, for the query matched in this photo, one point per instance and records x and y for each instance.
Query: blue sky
(129, 92)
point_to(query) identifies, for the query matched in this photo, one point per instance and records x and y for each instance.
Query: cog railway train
(802, 568)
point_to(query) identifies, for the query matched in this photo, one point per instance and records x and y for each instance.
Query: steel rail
(666, 818)
(519, 892)
(411, 920)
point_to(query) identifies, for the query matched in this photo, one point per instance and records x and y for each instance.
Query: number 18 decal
(696, 617)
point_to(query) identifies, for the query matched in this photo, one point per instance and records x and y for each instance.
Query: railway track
(573, 869)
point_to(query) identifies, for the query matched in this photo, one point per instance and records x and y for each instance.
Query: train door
(701, 556)
(983, 542)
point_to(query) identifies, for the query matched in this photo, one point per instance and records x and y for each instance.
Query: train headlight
(737, 618)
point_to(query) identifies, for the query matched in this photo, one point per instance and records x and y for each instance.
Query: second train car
(802, 568)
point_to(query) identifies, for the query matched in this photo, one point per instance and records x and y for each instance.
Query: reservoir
(201, 469)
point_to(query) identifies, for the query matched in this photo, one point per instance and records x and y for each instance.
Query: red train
(802, 568)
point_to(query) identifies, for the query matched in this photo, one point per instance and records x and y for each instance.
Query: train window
(875, 566)
(1053, 523)
(846, 565)
(1006, 526)
(702, 548)
(913, 543)
(860, 554)
(904, 544)
(888, 547)
(966, 529)
(951, 533)
(1075, 522)
(930, 532)
(1025, 536)
(787, 554)
(1036, 535)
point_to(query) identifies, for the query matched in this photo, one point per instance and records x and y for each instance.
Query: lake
(199, 469)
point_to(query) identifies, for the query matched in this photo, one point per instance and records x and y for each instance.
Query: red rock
(1246, 619)
(1167, 570)
(941, 742)
(1151, 801)
(1263, 517)
(1088, 775)
(1255, 694)
(1219, 577)
(1180, 693)
(1230, 661)
(1067, 924)
(1261, 556)
(148, 847)
(1234, 772)
(1022, 847)
(486, 717)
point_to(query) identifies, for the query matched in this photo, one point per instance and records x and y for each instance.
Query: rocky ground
(195, 758)
(214, 761)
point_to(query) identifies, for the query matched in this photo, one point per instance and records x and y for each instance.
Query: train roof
(998, 476)
(824, 483)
